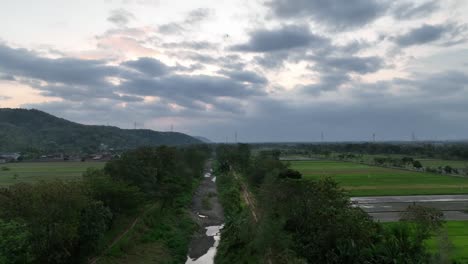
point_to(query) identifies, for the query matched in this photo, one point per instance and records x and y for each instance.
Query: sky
(274, 70)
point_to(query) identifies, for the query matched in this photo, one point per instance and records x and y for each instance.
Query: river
(207, 211)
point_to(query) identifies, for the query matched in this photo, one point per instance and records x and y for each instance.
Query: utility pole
(235, 137)
(373, 137)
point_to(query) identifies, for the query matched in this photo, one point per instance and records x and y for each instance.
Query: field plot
(364, 180)
(12, 173)
(458, 234)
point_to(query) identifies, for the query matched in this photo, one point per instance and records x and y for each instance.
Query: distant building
(9, 157)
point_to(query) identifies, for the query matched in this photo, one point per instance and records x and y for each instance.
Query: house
(10, 157)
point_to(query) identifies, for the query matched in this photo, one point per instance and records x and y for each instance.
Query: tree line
(65, 222)
(457, 150)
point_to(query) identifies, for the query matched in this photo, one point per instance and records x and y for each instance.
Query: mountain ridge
(32, 129)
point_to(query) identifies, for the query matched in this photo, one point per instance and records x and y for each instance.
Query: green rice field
(364, 180)
(11, 173)
(458, 235)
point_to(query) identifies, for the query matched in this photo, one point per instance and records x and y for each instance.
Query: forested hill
(22, 129)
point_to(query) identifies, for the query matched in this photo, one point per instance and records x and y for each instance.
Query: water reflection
(208, 258)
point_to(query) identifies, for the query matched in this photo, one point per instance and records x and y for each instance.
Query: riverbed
(207, 211)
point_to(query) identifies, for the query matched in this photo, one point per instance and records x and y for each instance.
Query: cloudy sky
(274, 70)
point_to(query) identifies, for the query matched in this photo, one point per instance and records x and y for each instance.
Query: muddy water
(209, 216)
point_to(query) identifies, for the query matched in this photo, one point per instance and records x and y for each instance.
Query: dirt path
(248, 198)
(207, 211)
(250, 202)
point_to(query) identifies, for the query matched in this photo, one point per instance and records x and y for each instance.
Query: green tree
(14, 243)
(118, 195)
(94, 222)
(417, 164)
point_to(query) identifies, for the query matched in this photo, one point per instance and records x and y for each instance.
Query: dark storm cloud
(437, 84)
(21, 62)
(410, 10)
(424, 34)
(328, 82)
(284, 38)
(198, 87)
(149, 66)
(120, 17)
(350, 64)
(444, 34)
(369, 108)
(271, 60)
(338, 14)
(78, 80)
(245, 76)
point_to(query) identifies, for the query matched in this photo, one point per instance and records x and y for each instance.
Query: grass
(29, 172)
(458, 235)
(364, 180)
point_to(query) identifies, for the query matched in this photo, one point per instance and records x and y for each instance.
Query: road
(388, 208)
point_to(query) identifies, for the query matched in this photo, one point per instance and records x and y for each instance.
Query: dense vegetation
(66, 222)
(309, 221)
(33, 131)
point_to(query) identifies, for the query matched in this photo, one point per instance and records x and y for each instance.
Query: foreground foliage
(65, 222)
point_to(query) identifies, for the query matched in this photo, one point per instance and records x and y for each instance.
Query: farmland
(457, 232)
(364, 180)
(30, 172)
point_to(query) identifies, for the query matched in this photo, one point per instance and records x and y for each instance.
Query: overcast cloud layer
(272, 70)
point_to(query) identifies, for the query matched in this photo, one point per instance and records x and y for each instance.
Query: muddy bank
(206, 210)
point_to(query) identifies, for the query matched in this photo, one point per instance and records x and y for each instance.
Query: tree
(291, 174)
(424, 219)
(14, 243)
(323, 225)
(417, 164)
(118, 195)
(448, 169)
(94, 221)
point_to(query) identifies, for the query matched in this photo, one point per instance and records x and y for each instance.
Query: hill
(203, 139)
(22, 129)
